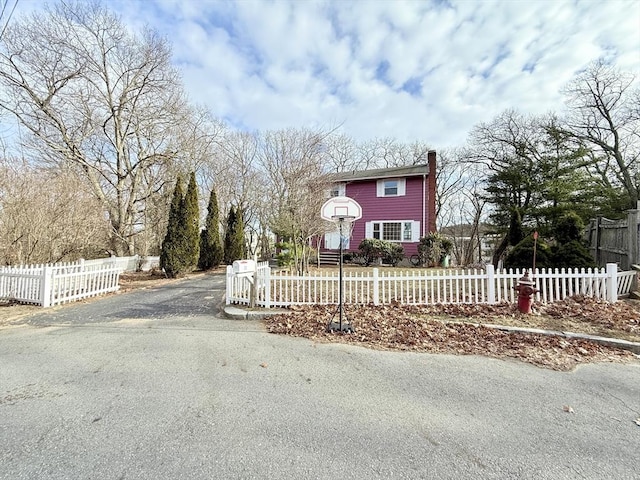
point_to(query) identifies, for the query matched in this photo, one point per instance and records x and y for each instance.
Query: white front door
(332, 241)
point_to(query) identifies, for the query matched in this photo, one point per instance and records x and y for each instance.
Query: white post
(491, 284)
(253, 292)
(267, 287)
(376, 287)
(229, 284)
(612, 282)
(45, 286)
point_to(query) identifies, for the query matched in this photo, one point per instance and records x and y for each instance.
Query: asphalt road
(153, 384)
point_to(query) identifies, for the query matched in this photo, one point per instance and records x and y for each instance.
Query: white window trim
(402, 187)
(415, 230)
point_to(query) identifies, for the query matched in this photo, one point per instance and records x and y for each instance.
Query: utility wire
(6, 23)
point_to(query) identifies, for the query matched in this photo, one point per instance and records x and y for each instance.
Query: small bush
(372, 249)
(393, 255)
(433, 249)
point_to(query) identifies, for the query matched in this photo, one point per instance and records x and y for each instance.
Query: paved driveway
(154, 385)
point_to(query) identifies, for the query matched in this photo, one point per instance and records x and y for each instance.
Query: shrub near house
(373, 250)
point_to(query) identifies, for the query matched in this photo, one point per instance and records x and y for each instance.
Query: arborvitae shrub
(172, 254)
(234, 236)
(191, 225)
(211, 253)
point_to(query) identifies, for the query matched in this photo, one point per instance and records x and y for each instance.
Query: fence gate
(615, 241)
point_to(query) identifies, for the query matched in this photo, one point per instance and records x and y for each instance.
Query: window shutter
(380, 189)
(402, 187)
(368, 230)
(415, 232)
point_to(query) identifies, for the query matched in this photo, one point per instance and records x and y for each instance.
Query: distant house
(398, 205)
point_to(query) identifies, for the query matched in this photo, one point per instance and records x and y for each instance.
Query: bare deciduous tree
(241, 182)
(604, 116)
(47, 216)
(97, 99)
(293, 162)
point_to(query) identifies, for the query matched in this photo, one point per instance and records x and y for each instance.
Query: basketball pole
(340, 294)
(347, 327)
(342, 211)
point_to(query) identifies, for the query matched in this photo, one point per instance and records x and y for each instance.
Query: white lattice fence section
(21, 284)
(425, 286)
(319, 288)
(440, 286)
(69, 286)
(626, 282)
(52, 284)
(558, 284)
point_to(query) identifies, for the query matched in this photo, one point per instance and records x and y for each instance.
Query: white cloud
(275, 64)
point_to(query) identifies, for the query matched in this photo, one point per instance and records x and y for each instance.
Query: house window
(395, 187)
(391, 188)
(406, 232)
(393, 231)
(338, 190)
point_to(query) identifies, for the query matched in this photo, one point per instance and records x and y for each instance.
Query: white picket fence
(379, 287)
(54, 284)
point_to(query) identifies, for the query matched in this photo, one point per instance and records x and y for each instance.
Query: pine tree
(211, 253)
(234, 236)
(191, 225)
(171, 255)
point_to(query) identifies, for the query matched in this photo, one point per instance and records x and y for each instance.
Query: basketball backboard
(341, 207)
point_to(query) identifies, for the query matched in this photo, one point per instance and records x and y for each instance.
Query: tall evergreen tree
(234, 236)
(239, 234)
(172, 255)
(211, 253)
(191, 225)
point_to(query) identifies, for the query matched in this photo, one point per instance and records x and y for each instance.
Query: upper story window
(392, 187)
(338, 190)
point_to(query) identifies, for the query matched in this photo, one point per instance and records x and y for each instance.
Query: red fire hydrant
(525, 288)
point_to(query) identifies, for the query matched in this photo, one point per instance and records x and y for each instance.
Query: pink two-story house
(398, 204)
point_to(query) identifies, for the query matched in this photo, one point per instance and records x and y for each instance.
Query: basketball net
(344, 225)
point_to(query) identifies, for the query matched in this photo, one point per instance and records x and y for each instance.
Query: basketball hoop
(343, 212)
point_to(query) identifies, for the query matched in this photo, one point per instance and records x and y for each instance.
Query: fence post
(229, 284)
(612, 282)
(267, 287)
(633, 236)
(45, 286)
(598, 252)
(491, 284)
(376, 287)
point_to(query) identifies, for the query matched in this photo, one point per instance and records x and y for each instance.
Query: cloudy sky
(411, 70)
